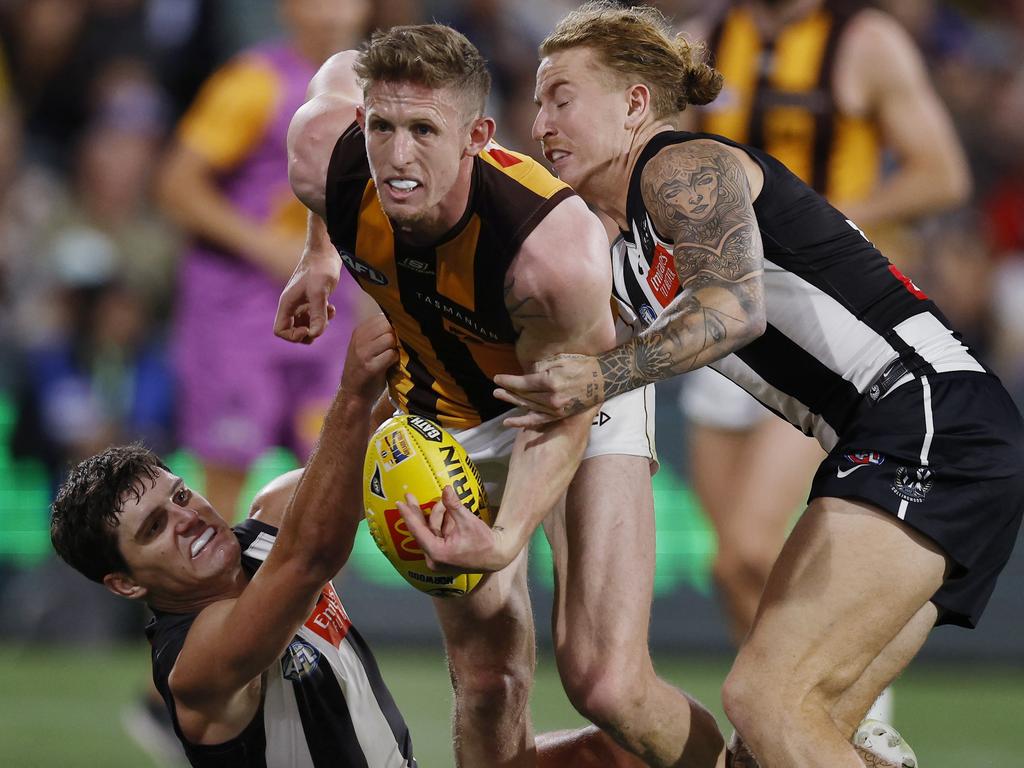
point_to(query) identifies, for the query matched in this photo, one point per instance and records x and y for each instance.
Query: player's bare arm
(216, 679)
(303, 310)
(557, 294)
(880, 72)
(699, 197)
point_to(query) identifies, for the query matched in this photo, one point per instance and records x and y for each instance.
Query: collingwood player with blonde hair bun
(727, 259)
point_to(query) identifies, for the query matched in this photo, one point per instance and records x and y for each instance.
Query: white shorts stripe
(929, 432)
(929, 425)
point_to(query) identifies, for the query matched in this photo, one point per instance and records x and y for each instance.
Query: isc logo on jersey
(411, 454)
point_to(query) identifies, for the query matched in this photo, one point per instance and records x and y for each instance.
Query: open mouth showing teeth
(202, 541)
(403, 184)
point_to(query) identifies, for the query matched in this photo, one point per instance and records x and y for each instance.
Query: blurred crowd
(91, 92)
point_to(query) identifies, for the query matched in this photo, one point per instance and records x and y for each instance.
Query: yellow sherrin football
(412, 454)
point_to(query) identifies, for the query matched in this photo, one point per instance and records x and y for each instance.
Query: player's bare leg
(489, 639)
(604, 566)
(785, 684)
(854, 703)
(588, 747)
(750, 507)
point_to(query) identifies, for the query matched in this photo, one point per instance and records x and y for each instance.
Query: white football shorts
(624, 426)
(710, 399)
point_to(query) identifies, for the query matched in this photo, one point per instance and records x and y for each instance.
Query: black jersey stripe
(790, 369)
(448, 349)
(380, 691)
(327, 722)
(825, 117)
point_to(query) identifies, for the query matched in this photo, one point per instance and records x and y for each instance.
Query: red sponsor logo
(662, 276)
(503, 158)
(329, 619)
(405, 545)
(907, 282)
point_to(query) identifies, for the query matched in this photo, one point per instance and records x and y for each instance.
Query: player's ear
(638, 104)
(122, 584)
(361, 117)
(481, 131)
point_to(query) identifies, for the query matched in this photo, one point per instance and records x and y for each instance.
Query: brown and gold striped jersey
(445, 301)
(778, 97)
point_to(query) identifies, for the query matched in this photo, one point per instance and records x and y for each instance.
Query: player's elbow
(959, 184)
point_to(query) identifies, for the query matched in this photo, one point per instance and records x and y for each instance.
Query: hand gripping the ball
(452, 538)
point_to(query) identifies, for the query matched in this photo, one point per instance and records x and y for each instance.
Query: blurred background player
(225, 183)
(839, 93)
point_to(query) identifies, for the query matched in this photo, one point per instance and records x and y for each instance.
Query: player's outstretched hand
(452, 538)
(371, 351)
(559, 386)
(303, 310)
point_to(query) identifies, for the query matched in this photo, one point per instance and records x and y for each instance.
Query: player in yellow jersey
(485, 263)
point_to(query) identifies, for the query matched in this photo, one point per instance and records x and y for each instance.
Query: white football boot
(885, 741)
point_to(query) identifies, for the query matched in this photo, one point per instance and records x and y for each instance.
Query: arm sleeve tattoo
(698, 196)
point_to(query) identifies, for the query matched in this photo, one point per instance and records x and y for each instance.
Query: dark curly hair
(83, 525)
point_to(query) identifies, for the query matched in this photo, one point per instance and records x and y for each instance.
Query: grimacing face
(176, 546)
(416, 140)
(580, 117)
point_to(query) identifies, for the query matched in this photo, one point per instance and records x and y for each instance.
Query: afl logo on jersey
(300, 660)
(647, 314)
(360, 268)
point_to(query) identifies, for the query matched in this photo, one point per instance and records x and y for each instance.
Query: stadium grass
(61, 707)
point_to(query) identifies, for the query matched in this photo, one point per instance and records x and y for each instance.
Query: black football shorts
(943, 453)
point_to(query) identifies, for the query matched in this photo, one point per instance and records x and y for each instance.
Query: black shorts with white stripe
(944, 453)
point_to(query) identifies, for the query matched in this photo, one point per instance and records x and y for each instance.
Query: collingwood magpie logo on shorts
(300, 660)
(913, 484)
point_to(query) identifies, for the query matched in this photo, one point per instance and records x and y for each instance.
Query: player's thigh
(849, 578)
(608, 578)
(777, 464)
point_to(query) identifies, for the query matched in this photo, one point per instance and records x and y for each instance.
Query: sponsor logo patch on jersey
(662, 276)
(415, 265)
(913, 484)
(328, 618)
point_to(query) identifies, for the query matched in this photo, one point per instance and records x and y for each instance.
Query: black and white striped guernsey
(325, 704)
(841, 318)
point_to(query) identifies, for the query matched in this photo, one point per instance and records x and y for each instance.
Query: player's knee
(607, 695)
(740, 562)
(493, 690)
(752, 701)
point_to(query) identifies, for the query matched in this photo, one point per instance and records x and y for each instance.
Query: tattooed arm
(698, 197)
(557, 293)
